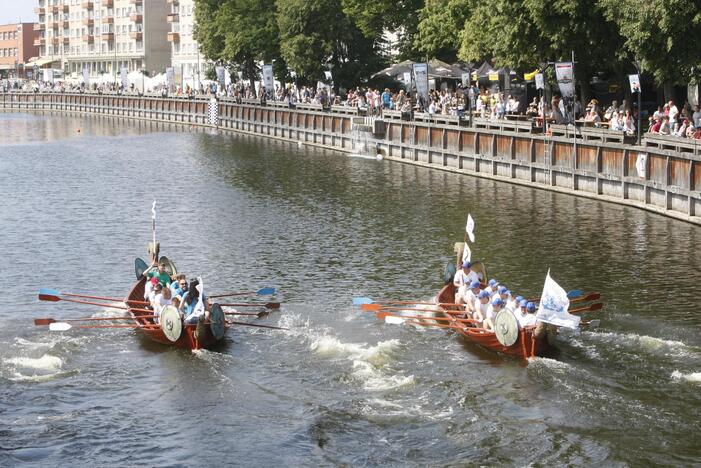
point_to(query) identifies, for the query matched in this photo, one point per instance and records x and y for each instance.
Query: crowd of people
(161, 291)
(669, 120)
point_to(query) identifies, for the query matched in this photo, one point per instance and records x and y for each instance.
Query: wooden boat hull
(526, 346)
(189, 339)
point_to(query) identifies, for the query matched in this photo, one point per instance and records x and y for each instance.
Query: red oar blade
(44, 321)
(372, 307)
(49, 297)
(596, 306)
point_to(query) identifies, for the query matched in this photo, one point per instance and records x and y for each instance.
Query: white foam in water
(374, 380)
(46, 362)
(690, 377)
(644, 342)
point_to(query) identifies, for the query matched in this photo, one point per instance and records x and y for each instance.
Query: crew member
(481, 306)
(160, 274)
(494, 308)
(462, 280)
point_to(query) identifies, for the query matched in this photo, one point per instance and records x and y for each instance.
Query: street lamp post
(639, 68)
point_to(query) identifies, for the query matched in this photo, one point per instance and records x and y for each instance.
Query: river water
(339, 387)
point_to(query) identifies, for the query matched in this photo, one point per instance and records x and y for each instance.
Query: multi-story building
(16, 48)
(186, 58)
(104, 36)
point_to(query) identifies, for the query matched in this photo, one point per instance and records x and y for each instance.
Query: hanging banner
(221, 75)
(170, 77)
(641, 165)
(564, 72)
(539, 81)
(466, 253)
(268, 80)
(328, 75)
(86, 77)
(470, 228)
(124, 75)
(634, 83)
(421, 78)
(48, 75)
(407, 81)
(465, 77)
(553, 306)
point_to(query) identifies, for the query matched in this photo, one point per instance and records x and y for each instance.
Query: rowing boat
(509, 338)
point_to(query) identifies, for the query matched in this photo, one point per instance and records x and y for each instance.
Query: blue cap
(523, 303)
(483, 294)
(475, 284)
(519, 299)
(498, 301)
(466, 265)
(530, 307)
(493, 282)
(502, 290)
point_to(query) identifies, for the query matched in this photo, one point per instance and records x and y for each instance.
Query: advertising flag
(641, 165)
(554, 304)
(470, 228)
(421, 79)
(268, 80)
(634, 83)
(466, 253)
(564, 72)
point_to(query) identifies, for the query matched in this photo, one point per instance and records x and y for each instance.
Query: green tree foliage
(662, 34)
(439, 20)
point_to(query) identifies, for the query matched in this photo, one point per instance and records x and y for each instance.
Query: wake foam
(46, 363)
(690, 377)
(645, 343)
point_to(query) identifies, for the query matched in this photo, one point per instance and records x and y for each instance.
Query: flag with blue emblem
(554, 304)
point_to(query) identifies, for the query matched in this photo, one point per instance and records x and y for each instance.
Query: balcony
(65, 7)
(173, 37)
(172, 2)
(89, 38)
(40, 42)
(88, 22)
(173, 18)
(40, 10)
(138, 35)
(64, 24)
(107, 36)
(136, 2)
(137, 17)
(54, 25)
(66, 39)
(108, 20)
(89, 5)
(39, 27)
(56, 9)
(108, 3)
(54, 41)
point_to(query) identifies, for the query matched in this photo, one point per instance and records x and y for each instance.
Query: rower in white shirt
(471, 296)
(481, 305)
(462, 280)
(492, 287)
(164, 298)
(504, 294)
(514, 304)
(494, 308)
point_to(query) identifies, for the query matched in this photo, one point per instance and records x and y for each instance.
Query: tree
(439, 23)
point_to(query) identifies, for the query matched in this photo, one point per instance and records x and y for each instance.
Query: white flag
(199, 307)
(641, 165)
(470, 228)
(554, 304)
(466, 253)
(153, 210)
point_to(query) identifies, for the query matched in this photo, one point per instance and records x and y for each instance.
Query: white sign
(328, 75)
(170, 77)
(48, 75)
(421, 78)
(553, 306)
(465, 77)
(634, 83)
(124, 74)
(470, 228)
(466, 253)
(539, 81)
(221, 75)
(86, 77)
(564, 71)
(407, 81)
(641, 165)
(268, 80)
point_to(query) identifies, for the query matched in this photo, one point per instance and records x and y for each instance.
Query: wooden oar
(257, 314)
(376, 307)
(53, 292)
(52, 298)
(382, 315)
(592, 296)
(437, 325)
(267, 305)
(256, 325)
(589, 308)
(260, 292)
(49, 321)
(63, 326)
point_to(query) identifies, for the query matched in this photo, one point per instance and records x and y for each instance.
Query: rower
(161, 300)
(462, 280)
(190, 302)
(531, 309)
(481, 306)
(471, 296)
(523, 318)
(160, 274)
(504, 294)
(157, 290)
(494, 308)
(515, 303)
(148, 288)
(179, 286)
(492, 287)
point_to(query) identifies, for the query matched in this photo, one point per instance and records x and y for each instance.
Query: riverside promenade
(662, 175)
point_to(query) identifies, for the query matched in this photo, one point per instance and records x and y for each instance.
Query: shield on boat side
(170, 266)
(506, 327)
(171, 323)
(217, 321)
(139, 267)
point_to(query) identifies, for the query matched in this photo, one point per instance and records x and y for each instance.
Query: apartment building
(104, 35)
(186, 58)
(16, 48)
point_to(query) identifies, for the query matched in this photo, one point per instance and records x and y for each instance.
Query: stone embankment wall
(594, 163)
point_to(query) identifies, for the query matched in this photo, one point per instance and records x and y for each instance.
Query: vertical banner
(407, 81)
(554, 304)
(465, 77)
(564, 72)
(221, 75)
(641, 165)
(124, 75)
(634, 83)
(178, 76)
(268, 81)
(48, 75)
(470, 228)
(86, 77)
(421, 78)
(329, 76)
(170, 77)
(539, 81)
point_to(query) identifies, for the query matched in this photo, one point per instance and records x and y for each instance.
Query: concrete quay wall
(592, 163)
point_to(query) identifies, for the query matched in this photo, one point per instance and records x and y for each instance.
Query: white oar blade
(59, 326)
(394, 320)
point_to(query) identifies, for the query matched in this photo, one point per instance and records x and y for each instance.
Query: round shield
(449, 272)
(139, 267)
(217, 321)
(506, 327)
(170, 266)
(171, 323)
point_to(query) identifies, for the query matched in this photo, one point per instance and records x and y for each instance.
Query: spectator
(696, 117)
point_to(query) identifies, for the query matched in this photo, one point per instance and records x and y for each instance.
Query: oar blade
(394, 320)
(266, 291)
(575, 293)
(370, 307)
(59, 326)
(44, 321)
(49, 297)
(596, 306)
(49, 292)
(362, 300)
(593, 323)
(255, 325)
(591, 297)
(272, 305)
